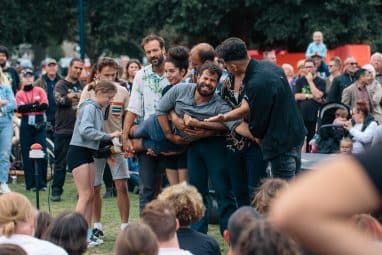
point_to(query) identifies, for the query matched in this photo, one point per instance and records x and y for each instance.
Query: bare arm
(235, 114)
(126, 142)
(163, 122)
(317, 207)
(317, 94)
(192, 122)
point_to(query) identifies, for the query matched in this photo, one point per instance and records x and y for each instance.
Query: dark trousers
(107, 177)
(246, 167)
(311, 130)
(61, 147)
(207, 159)
(28, 136)
(287, 164)
(150, 171)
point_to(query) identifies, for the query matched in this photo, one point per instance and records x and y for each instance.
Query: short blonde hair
(370, 69)
(14, 208)
(187, 202)
(267, 191)
(287, 68)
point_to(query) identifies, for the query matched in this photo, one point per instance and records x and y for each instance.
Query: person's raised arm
(317, 207)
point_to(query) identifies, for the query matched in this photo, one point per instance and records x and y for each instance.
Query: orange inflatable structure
(361, 52)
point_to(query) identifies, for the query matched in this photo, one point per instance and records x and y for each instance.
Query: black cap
(26, 71)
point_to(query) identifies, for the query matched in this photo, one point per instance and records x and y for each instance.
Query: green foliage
(116, 27)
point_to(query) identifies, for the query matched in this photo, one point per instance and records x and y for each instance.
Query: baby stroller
(329, 135)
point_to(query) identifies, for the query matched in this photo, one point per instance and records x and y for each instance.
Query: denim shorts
(153, 137)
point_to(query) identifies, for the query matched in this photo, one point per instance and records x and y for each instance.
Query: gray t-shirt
(181, 99)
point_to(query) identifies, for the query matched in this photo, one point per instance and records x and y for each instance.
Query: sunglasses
(353, 63)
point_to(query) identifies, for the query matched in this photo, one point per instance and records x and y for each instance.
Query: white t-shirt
(34, 246)
(173, 251)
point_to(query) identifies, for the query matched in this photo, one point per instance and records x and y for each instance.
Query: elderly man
(376, 61)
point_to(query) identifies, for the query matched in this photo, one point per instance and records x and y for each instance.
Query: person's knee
(97, 191)
(121, 186)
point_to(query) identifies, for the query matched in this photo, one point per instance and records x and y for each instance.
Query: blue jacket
(8, 109)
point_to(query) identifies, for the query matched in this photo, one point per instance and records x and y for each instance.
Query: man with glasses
(309, 94)
(343, 81)
(335, 66)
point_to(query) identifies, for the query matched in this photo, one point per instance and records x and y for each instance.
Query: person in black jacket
(274, 119)
(343, 81)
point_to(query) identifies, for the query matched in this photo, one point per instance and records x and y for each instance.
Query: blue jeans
(6, 133)
(247, 167)
(28, 136)
(206, 159)
(153, 136)
(286, 165)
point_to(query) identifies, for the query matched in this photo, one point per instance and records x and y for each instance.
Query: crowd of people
(206, 119)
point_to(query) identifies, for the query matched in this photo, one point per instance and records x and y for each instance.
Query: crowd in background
(203, 119)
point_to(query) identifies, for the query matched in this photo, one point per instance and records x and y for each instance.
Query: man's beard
(3, 64)
(158, 61)
(204, 93)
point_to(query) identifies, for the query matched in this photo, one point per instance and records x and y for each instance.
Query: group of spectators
(345, 82)
(183, 115)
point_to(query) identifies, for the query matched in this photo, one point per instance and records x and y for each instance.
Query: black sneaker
(55, 198)
(110, 192)
(97, 233)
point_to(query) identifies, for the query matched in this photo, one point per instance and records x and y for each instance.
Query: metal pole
(82, 30)
(36, 176)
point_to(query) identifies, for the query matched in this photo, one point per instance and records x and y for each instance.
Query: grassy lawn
(110, 215)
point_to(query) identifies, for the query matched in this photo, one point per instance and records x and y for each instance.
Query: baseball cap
(26, 71)
(50, 61)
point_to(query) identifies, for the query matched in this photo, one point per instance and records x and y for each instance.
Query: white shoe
(4, 188)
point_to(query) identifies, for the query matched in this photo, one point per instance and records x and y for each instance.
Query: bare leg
(84, 180)
(183, 175)
(123, 201)
(172, 176)
(97, 204)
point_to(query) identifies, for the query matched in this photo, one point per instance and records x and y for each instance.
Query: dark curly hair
(212, 69)
(178, 55)
(4, 50)
(231, 49)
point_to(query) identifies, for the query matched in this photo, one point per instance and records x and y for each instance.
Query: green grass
(110, 214)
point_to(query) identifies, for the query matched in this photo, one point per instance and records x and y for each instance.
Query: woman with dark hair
(132, 67)
(176, 65)
(69, 231)
(363, 128)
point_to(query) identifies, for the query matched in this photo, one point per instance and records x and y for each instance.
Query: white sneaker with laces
(4, 188)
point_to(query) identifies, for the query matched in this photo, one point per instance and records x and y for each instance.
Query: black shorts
(78, 156)
(175, 162)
